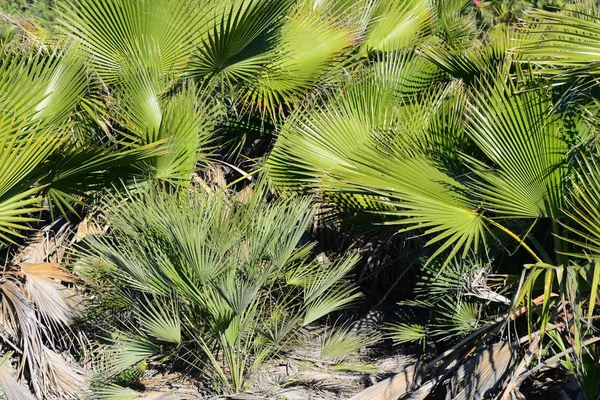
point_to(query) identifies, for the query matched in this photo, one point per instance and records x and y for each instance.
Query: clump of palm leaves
(477, 162)
(471, 124)
(46, 164)
(220, 282)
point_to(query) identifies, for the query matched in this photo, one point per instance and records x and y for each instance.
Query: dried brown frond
(64, 377)
(58, 304)
(11, 388)
(21, 323)
(481, 375)
(88, 227)
(45, 246)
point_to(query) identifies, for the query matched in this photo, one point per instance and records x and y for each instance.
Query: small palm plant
(219, 282)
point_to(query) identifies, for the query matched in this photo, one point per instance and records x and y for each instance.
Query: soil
(291, 380)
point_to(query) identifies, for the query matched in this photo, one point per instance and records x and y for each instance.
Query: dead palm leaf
(67, 379)
(481, 375)
(11, 388)
(394, 387)
(56, 303)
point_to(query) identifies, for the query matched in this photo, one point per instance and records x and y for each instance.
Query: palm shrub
(221, 282)
(88, 107)
(472, 162)
(407, 110)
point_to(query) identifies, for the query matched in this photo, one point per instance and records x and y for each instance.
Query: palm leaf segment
(24, 148)
(396, 25)
(146, 34)
(584, 208)
(566, 44)
(527, 145)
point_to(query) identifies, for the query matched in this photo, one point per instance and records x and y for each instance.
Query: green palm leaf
(527, 145)
(147, 33)
(49, 86)
(124, 351)
(584, 208)
(74, 173)
(160, 318)
(301, 64)
(235, 47)
(474, 62)
(25, 146)
(567, 43)
(422, 197)
(184, 120)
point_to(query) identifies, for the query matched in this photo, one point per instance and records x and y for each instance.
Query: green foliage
(453, 301)
(222, 284)
(472, 124)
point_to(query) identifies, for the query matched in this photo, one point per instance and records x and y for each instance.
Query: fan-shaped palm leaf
(119, 33)
(471, 63)
(235, 48)
(527, 145)
(124, 351)
(301, 63)
(75, 172)
(160, 319)
(568, 43)
(49, 84)
(584, 202)
(25, 145)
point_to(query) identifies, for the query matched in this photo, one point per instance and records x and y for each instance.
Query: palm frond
(344, 340)
(21, 323)
(408, 330)
(44, 86)
(53, 300)
(235, 47)
(473, 63)
(348, 146)
(483, 373)
(123, 351)
(454, 23)
(567, 44)
(74, 173)
(301, 64)
(584, 208)
(149, 34)
(111, 391)
(160, 319)
(457, 320)
(527, 145)
(65, 378)
(9, 386)
(24, 148)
